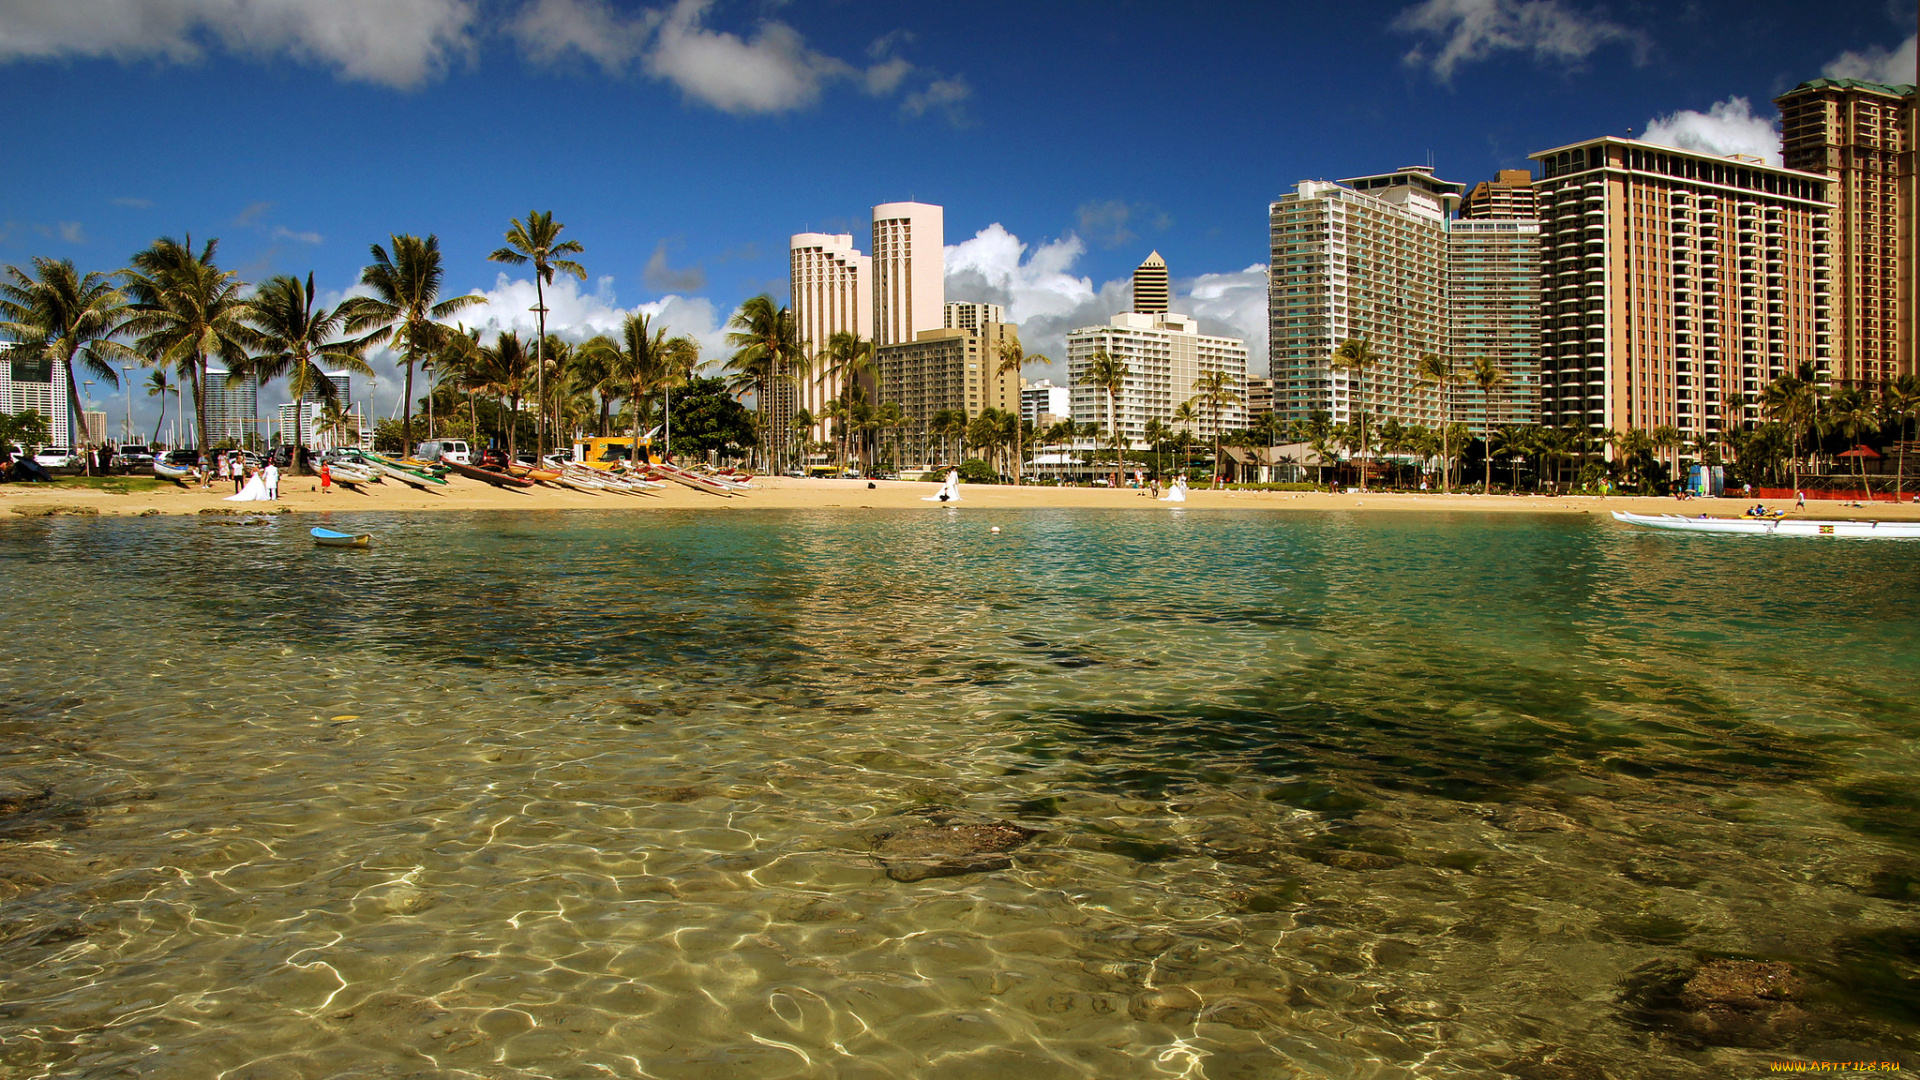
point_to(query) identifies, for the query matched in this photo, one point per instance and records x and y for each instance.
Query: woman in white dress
(1176, 491)
(255, 490)
(949, 491)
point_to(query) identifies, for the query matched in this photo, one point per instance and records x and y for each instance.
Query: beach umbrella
(1860, 452)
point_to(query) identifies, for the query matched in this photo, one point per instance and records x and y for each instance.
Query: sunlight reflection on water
(689, 795)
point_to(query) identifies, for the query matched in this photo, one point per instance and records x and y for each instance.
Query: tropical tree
(1110, 375)
(1012, 359)
(1487, 376)
(186, 310)
(294, 338)
(768, 349)
(1438, 370)
(1216, 392)
(1900, 400)
(1157, 433)
(158, 386)
(1851, 412)
(537, 240)
(58, 314)
(404, 308)
(1355, 356)
(1794, 402)
(335, 423)
(502, 372)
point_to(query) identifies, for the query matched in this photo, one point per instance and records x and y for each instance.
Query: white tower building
(831, 293)
(909, 271)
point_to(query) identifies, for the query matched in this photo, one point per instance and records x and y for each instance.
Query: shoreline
(301, 495)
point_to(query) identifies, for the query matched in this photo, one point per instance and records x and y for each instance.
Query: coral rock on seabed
(928, 851)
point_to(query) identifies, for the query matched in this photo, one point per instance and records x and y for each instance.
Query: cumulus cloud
(1047, 299)
(548, 30)
(947, 96)
(399, 43)
(1465, 31)
(1874, 64)
(773, 71)
(1110, 222)
(663, 278)
(1727, 127)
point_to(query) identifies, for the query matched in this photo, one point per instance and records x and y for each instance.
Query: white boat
(1909, 530)
(347, 475)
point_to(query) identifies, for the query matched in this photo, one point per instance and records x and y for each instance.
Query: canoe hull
(487, 476)
(1837, 529)
(329, 538)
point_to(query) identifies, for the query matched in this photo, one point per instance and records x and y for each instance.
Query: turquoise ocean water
(685, 795)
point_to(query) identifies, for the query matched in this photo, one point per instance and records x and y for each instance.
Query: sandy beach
(302, 494)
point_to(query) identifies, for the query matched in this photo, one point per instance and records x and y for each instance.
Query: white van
(452, 449)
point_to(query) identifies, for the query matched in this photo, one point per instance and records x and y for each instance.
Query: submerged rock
(1748, 1003)
(948, 850)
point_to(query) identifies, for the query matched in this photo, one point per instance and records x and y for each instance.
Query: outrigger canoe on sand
(1908, 530)
(497, 479)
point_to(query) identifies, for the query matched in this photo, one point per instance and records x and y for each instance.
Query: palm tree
(537, 240)
(768, 349)
(501, 372)
(1157, 433)
(404, 306)
(336, 423)
(1487, 376)
(1438, 370)
(1356, 355)
(1012, 359)
(294, 338)
(186, 310)
(1900, 399)
(57, 313)
(158, 386)
(1110, 375)
(1793, 400)
(1216, 391)
(644, 361)
(1852, 414)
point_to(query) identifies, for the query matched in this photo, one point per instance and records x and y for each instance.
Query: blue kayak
(329, 538)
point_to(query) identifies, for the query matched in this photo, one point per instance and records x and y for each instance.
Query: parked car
(456, 449)
(133, 457)
(56, 457)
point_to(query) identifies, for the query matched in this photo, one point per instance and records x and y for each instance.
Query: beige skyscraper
(1675, 285)
(832, 292)
(909, 270)
(1861, 136)
(970, 314)
(1509, 195)
(1152, 294)
(949, 368)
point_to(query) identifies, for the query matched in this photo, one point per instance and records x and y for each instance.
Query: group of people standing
(250, 484)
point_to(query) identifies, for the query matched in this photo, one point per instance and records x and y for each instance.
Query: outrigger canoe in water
(1907, 530)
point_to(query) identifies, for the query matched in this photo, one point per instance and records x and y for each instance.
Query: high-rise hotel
(831, 286)
(1676, 284)
(1860, 135)
(1362, 258)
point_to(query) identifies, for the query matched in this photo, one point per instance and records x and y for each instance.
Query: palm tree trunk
(200, 414)
(157, 424)
(299, 442)
(539, 363)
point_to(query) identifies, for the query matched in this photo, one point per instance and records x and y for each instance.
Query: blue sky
(682, 141)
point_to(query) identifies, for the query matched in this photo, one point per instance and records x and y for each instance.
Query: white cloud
(399, 43)
(1875, 64)
(1465, 31)
(548, 29)
(1043, 295)
(948, 96)
(281, 232)
(661, 277)
(774, 71)
(886, 76)
(1727, 127)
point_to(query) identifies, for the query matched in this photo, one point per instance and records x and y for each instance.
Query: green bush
(1275, 487)
(975, 471)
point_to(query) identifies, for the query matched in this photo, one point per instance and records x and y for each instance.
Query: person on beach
(326, 479)
(270, 476)
(1799, 499)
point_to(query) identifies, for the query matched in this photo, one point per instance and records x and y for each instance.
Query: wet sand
(302, 494)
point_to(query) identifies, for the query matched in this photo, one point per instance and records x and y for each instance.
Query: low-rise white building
(1043, 403)
(1165, 354)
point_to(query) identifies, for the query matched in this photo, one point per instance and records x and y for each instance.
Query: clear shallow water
(586, 795)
